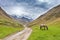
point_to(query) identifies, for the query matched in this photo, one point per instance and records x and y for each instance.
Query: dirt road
(23, 35)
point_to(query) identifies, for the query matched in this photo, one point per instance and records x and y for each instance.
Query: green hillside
(8, 25)
(52, 20)
(53, 33)
(51, 15)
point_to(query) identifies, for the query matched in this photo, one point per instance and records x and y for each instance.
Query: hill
(7, 24)
(22, 19)
(52, 19)
(4, 17)
(51, 15)
(53, 33)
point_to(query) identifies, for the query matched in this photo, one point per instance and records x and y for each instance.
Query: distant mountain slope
(51, 15)
(3, 14)
(8, 25)
(22, 19)
(5, 19)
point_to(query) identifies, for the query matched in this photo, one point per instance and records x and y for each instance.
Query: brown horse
(44, 26)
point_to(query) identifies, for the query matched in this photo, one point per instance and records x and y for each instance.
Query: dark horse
(43, 26)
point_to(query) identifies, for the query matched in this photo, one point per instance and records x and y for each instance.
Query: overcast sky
(31, 8)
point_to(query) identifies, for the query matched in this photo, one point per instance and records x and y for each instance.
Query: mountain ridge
(4, 17)
(22, 19)
(51, 15)
(3, 12)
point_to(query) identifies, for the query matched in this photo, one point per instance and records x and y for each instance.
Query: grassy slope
(52, 34)
(52, 14)
(8, 25)
(7, 30)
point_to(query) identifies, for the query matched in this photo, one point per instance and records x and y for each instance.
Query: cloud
(17, 10)
(31, 8)
(47, 1)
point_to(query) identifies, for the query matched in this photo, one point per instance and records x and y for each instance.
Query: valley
(53, 33)
(12, 28)
(52, 20)
(8, 25)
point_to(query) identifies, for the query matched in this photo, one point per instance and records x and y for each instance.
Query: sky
(29, 8)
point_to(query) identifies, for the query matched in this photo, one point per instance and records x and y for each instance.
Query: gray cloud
(31, 8)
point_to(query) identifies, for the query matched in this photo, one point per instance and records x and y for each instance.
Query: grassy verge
(52, 34)
(7, 30)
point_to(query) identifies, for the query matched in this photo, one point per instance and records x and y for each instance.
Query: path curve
(23, 35)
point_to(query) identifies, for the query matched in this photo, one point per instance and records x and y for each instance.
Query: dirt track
(23, 35)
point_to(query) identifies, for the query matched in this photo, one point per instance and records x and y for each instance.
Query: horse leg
(46, 27)
(40, 27)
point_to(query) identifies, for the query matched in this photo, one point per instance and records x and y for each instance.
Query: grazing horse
(43, 26)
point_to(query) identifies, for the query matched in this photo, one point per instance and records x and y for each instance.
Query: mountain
(8, 25)
(22, 19)
(50, 16)
(6, 19)
(3, 14)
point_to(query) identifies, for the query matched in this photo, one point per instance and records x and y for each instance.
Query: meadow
(8, 30)
(53, 33)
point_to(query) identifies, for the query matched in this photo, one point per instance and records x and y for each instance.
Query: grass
(7, 30)
(52, 34)
(8, 27)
